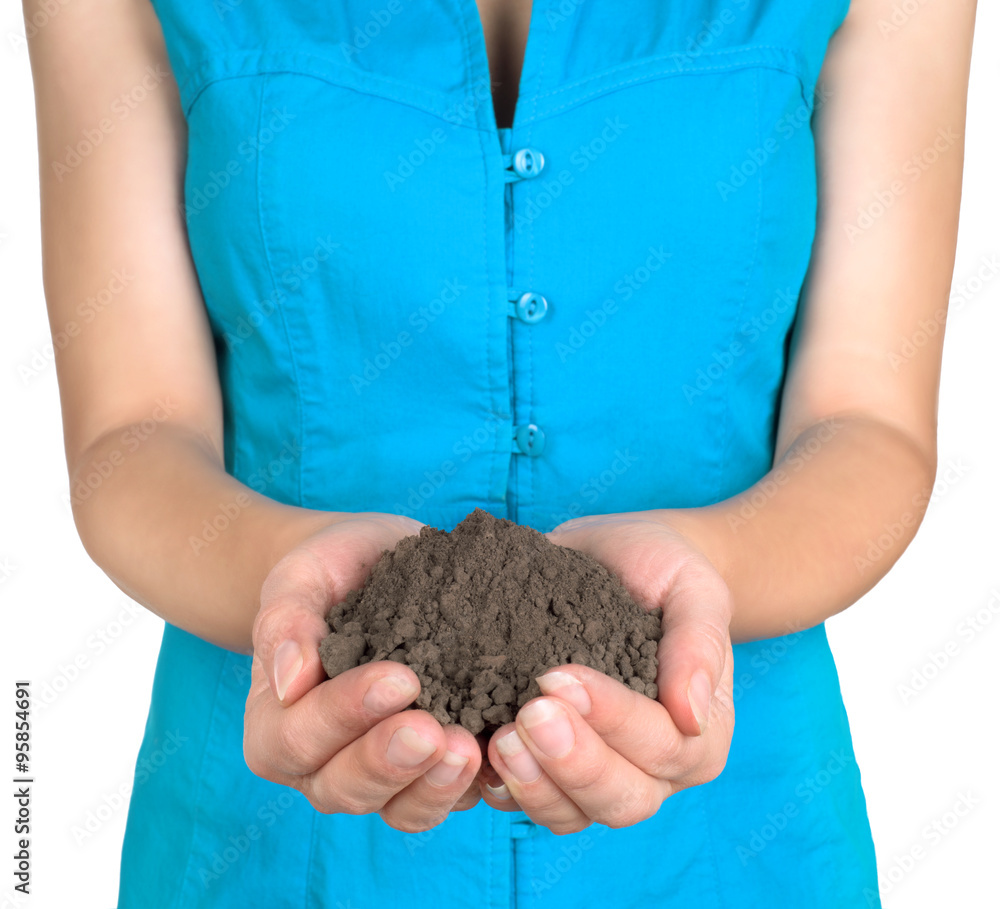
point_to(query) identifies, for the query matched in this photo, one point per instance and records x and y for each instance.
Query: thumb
(301, 588)
(694, 650)
(290, 625)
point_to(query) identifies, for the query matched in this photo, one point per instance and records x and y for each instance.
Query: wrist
(288, 526)
(706, 531)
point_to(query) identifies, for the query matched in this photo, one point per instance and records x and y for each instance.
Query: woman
(368, 292)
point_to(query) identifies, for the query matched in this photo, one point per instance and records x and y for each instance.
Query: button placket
(527, 306)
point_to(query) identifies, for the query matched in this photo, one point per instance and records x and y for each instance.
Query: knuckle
(637, 804)
(334, 799)
(254, 756)
(257, 766)
(667, 757)
(565, 828)
(419, 823)
(593, 774)
(376, 774)
(404, 825)
(547, 800)
(618, 722)
(270, 627)
(709, 770)
(291, 744)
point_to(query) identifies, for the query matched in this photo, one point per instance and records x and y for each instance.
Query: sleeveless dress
(417, 312)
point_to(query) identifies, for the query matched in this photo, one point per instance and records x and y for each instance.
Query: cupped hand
(592, 749)
(343, 742)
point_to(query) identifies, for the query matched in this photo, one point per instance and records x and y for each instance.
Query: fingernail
(565, 686)
(287, 663)
(447, 770)
(700, 697)
(549, 727)
(521, 762)
(407, 748)
(386, 695)
(499, 792)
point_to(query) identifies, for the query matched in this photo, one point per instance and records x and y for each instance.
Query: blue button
(528, 162)
(530, 440)
(531, 307)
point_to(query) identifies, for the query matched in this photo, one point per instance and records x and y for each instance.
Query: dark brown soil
(478, 613)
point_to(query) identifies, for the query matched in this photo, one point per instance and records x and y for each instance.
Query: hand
(594, 750)
(343, 742)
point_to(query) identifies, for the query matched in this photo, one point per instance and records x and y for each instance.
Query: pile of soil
(478, 613)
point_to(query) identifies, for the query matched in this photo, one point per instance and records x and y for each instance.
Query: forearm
(157, 511)
(818, 530)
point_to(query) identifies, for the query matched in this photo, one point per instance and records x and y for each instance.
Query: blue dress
(417, 312)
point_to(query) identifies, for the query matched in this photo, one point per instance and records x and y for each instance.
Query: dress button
(528, 162)
(530, 440)
(531, 307)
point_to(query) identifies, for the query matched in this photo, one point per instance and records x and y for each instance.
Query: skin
(867, 424)
(505, 29)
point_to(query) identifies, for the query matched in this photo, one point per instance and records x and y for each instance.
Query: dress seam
(437, 103)
(727, 432)
(660, 74)
(747, 49)
(280, 304)
(178, 902)
(307, 890)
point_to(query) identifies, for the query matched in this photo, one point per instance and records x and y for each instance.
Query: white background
(920, 751)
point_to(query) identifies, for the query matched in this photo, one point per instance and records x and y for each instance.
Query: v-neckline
(481, 61)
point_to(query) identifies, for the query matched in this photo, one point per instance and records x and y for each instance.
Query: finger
(641, 729)
(302, 737)
(535, 792)
(301, 588)
(636, 726)
(428, 800)
(493, 790)
(470, 798)
(363, 776)
(290, 625)
(695, 649)
(604, 785)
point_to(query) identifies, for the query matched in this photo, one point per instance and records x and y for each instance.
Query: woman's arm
(855, 457)
(856, 448)
(142, 415)
(137, 378)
